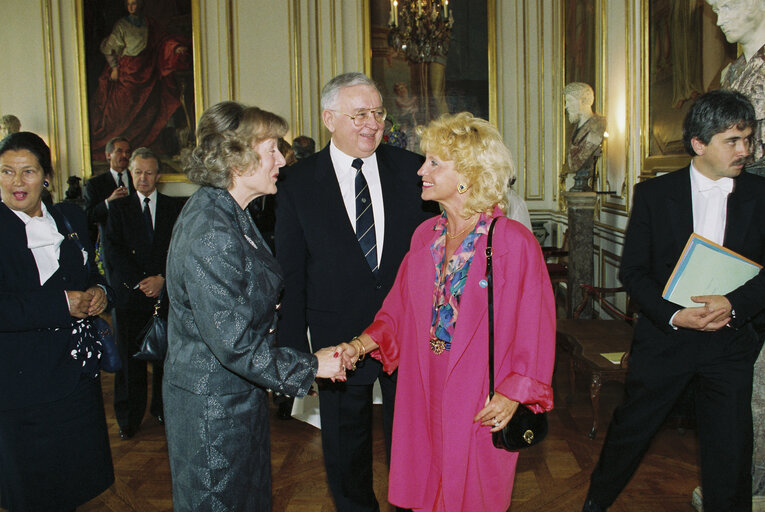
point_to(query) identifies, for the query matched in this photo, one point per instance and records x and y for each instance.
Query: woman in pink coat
(433, 328)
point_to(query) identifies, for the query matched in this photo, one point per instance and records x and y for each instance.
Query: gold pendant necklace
(470, 226)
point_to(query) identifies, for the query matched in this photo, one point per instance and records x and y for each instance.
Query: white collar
(345, 160)
(44, 240)
(152, 197)
(701, 183)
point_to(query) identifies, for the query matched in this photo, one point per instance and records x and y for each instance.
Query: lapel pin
(483, 283)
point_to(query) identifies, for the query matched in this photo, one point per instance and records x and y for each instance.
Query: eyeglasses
(362, 116)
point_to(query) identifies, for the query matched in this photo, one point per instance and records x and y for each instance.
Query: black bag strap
(73, 236)
(158, 303)
(490, 291)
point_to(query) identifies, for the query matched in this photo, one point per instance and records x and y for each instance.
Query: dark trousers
(346, 435)
(130, 383)
(659, 372)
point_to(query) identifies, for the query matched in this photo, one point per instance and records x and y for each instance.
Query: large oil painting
(448, 71)
(686, 53)
(139, 77)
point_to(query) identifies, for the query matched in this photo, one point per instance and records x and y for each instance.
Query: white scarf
(44, 240)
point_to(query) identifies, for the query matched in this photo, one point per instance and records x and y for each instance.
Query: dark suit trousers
(130, 383)
(659, 372)
(346, 434)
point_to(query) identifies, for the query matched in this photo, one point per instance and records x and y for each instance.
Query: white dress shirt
(710, 205)
(710, 209)
(346, 178)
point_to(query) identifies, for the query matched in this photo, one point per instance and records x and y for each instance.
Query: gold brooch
(437, 346)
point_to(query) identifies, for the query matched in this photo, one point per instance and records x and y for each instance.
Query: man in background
(137, 240)
(303, 146)
(101, 190)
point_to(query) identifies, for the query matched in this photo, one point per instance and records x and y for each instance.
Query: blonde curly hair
(478, 153)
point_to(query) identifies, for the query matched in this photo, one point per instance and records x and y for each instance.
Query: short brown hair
(226, 134)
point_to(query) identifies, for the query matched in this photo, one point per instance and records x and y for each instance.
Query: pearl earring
(462, 188)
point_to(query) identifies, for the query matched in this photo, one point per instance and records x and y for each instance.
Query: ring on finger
(496, 422)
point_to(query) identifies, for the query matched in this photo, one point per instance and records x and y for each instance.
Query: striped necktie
(147, 219)
(365, 219)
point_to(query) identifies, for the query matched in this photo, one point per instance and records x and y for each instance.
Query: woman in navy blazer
(54, 447)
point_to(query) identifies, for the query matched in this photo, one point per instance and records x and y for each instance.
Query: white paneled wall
(277, 54)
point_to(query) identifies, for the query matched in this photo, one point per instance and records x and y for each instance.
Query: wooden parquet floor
(552, 476)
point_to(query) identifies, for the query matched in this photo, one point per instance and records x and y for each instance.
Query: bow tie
(722, 184)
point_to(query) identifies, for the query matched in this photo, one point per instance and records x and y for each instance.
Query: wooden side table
(585, 341)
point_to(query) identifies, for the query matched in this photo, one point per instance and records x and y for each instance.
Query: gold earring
(462, 188)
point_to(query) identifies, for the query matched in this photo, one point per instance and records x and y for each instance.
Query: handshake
(334, 361)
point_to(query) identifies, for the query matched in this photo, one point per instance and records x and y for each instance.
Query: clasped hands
(334, 361)
(712, 316)
(330, 364)
(91, 302)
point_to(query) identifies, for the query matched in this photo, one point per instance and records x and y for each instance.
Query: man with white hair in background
(743, 22)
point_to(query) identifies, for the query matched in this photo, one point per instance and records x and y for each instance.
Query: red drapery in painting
(139, 104)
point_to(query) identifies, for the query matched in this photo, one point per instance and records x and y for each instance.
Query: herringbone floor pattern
(551, 477)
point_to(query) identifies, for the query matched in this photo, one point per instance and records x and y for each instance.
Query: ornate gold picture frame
(140, 78)
(683, 54)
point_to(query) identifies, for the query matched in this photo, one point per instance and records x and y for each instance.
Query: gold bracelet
(360, 350)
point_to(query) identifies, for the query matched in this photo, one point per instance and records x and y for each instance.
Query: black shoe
(591, 506)
(126, 433)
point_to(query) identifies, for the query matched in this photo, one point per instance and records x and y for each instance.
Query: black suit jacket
(661, 223)
(97, 190)
(329, 286)
(130, 255)
(35, 325)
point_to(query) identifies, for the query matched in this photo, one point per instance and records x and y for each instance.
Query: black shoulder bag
(525, 427)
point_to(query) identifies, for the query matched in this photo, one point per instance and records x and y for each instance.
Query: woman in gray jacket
(224, 284)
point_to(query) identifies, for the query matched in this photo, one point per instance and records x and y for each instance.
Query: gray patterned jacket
(224, 284)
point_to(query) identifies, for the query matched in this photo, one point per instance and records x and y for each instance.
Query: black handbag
(154, 335)
(525, 428)
(110, 357)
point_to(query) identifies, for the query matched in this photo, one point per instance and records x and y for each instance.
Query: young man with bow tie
(716, 342)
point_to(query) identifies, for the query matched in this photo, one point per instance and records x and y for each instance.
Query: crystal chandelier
(420, 29)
